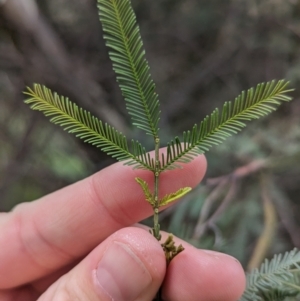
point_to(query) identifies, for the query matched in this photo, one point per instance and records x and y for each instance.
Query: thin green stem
(156, 226)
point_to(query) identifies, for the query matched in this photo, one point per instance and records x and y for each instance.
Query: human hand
(79, 244)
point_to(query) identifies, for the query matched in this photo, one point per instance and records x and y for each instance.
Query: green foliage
(275, 280)
(86, 127)
(122, 36)
(215, 128)
(128, 58)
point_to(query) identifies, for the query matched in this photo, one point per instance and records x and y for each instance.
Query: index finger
(39, 237)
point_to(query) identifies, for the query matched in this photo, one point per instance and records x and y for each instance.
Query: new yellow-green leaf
(169, 198)
(146, 190)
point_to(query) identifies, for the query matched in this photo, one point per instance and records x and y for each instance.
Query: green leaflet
(122, 36)
(87, 127)
(217, 127)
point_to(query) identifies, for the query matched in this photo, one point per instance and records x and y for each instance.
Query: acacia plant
(122, 36)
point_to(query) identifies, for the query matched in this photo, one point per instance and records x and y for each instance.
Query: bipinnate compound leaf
(122, 36)
(87, 127)
(217, 127)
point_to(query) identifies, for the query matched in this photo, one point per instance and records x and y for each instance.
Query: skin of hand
(82, 243)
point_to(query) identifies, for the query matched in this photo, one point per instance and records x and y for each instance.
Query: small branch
(242, 172)
(205, 210)
(221, 182)
(201, 225)
(156, 226)
(273, 163)
(265, 240)
(286, 213)
(45, 54)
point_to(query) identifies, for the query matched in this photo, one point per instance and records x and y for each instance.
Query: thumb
(129, 265)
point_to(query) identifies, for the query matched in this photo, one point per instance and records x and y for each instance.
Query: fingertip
(129, 265)
(231, 275)
(191, 173)
(204, 276)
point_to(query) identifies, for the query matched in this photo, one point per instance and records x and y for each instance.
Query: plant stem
(156, 226)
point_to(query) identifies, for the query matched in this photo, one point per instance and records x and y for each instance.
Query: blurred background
(201, 53)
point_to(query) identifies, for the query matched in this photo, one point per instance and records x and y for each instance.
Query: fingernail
(121, 274)
(218, 255)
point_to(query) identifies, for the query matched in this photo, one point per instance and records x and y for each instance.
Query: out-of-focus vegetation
(201, 54)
